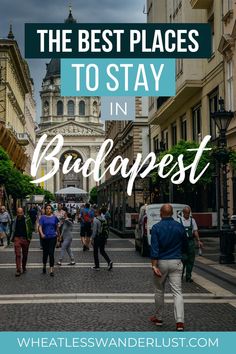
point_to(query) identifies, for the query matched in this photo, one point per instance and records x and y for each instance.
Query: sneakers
(179, 326)
(24, 270)
(59, 263)
(44, 270)
(95, 268)
(18, 273)
(155, 321)
(71, 263)
(110, 265)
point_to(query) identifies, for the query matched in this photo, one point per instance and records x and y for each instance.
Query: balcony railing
(23, 138)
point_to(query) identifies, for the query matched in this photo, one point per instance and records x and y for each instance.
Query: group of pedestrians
(55, 229)
(172, 246)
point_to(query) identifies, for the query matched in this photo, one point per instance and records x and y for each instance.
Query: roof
(54, 67)
(71, 190)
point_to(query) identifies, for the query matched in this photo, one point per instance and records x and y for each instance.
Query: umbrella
(71, 190)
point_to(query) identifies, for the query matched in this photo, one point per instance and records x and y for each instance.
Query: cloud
(20, 12)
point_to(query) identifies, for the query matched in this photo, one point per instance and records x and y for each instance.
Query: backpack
(104, 230)
(86, 216)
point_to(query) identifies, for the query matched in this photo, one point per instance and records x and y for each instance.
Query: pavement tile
(84, 280)
(112, 317)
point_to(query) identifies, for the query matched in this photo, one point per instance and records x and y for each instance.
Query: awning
(71, 190)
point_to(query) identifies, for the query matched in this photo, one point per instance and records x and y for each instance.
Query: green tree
(93, 195)
(49, 197)
(17, 184)
(6, 166)
(188, 156)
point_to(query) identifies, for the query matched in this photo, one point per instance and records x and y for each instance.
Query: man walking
(21, 235)
(87, 215)
(99, 238)
(168, 240)
(191, 230)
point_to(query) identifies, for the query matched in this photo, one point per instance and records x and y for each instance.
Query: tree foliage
(93, 195)
(17, 184)
(188, 157)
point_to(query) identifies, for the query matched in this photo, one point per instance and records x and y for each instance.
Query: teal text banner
(117, 342)
(118, 77)
(118, 40)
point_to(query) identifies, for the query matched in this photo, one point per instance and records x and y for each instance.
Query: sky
(19, 12)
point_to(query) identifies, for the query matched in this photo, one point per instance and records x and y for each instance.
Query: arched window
(82, 108)
(46, 108)
(95, 108)
(59, 108)
(70, 108)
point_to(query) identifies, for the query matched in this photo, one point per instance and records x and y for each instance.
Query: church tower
(76, 118)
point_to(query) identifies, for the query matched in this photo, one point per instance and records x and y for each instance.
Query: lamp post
(222, 119)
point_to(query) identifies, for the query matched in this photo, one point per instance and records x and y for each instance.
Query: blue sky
(87, 11)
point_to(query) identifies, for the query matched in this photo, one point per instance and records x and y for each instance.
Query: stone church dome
(53, 68)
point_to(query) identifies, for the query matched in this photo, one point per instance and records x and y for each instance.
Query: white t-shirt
(187, 222)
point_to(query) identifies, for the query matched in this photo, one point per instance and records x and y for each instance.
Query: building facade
(130, 138)
(228, 50)
(199, 84)
(77, 119)
(17, 105)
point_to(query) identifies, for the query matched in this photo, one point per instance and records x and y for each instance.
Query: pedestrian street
(78, 298)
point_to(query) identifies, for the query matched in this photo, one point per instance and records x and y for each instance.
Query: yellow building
(227, 49)
(130, 138)
(17, 105)
(199, 84)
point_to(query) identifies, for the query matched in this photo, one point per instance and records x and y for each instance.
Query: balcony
(23, 139)
(201, 4)
(169, 107)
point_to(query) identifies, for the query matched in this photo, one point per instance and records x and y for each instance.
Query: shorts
(86, 229)
(3, 228)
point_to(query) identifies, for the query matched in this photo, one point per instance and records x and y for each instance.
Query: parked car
(148, 216)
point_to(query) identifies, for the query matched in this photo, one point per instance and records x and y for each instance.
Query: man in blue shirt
(168, 242)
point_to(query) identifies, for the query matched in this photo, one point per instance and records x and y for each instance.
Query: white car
(148, 216)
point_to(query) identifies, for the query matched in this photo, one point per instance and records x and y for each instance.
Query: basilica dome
(53, 69)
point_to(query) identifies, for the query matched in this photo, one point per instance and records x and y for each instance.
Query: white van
(148, 216)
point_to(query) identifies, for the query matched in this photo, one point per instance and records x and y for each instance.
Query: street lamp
(222, 119)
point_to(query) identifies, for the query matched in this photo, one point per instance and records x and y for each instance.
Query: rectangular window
(184, 128)
(213, 107)
(197, 123)
(174, 134)
(228, 5)
(212, 24)
(164, 137)
(156, 145)
(230, 88)
(151, 103)
(179, 66)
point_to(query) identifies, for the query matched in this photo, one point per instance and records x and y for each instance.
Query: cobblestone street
(80, 299)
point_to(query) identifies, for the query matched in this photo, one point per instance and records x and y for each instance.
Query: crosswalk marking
(76, 249)
(79, 265)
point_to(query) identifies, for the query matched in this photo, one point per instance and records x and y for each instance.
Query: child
(67, 239)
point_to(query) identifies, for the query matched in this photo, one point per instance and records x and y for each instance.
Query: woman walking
(66, 236)
(49, 232)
